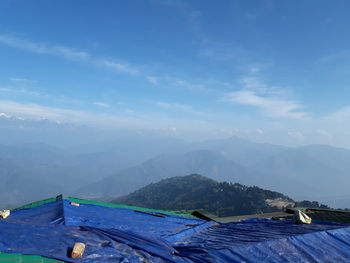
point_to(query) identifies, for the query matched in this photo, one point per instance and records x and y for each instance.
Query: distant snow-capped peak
(6, 116)
(3, 115)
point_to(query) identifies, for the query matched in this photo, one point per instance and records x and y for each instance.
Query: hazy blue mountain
(16, 130)
(17, 187)
(131, 147)
(333, 157)
(314, 172)
(136, 148)
(53, 162)
(240, 150)
(35, 171)
(210, 164)
(321, 171)
(112, 163)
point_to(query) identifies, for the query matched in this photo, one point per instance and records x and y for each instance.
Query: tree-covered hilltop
(311, 204)
(199, 192)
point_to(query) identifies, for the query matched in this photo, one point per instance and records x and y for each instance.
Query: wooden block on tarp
(78, 250)
(4, 213)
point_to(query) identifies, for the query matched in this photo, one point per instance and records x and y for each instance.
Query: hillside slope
(199, 192)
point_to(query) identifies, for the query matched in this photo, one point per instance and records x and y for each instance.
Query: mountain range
(317, 172)
(125, 162)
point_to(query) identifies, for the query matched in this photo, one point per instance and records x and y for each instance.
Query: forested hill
(199, 192)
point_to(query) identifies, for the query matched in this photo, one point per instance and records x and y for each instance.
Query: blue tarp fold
(124, 235)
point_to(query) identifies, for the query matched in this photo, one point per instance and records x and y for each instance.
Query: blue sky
(272, 71)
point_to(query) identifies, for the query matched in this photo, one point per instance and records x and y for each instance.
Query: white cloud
(163, 104)
(269, 99)
(223, 51)
(152, 79)
(5, 89)
(129, 111)
(70, 53)
(271, 106)
(39, 112)
(118, 67)
(67, 53)
(342, 116)
(22, 80)
(21, 91)
(176, 106)
(296, 135)
(3, 115)
(324, 133)
(186, 84)
(259, 131)
(254, 84)
(127, 119)
(195, 87)
(39, 48)
(101, 104)
(35, 111)
(254, 69)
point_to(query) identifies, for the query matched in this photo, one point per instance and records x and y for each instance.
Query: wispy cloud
(76, 55)
(221, 51)
(339, 118)
(20, 91)
(189, 85)
(175, 106)
(22, 80)
(118, 67)
(269, 99)
(297, 135)
(342, 55)
(272, 107)
(34, 111)
(101, 104)
(37, 112)
(66, 53)
(40, 48)
(127, 119)
(324, 133)
(152, 79)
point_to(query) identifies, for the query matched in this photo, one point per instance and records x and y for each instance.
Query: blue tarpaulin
(126, 235)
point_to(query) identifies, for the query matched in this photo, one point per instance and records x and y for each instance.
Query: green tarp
(90, 202)
(18, 258)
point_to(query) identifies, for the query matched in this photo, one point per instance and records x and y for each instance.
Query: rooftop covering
(47, 230)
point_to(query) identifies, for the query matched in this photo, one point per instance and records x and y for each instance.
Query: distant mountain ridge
(115, 168)
(317, 172)
(320, 171)
(34, 171)
(199, 192)
(240, 150)
(209, 163)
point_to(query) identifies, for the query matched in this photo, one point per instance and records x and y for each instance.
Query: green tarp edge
(91, 202)
(38, 203)
(19, 258)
